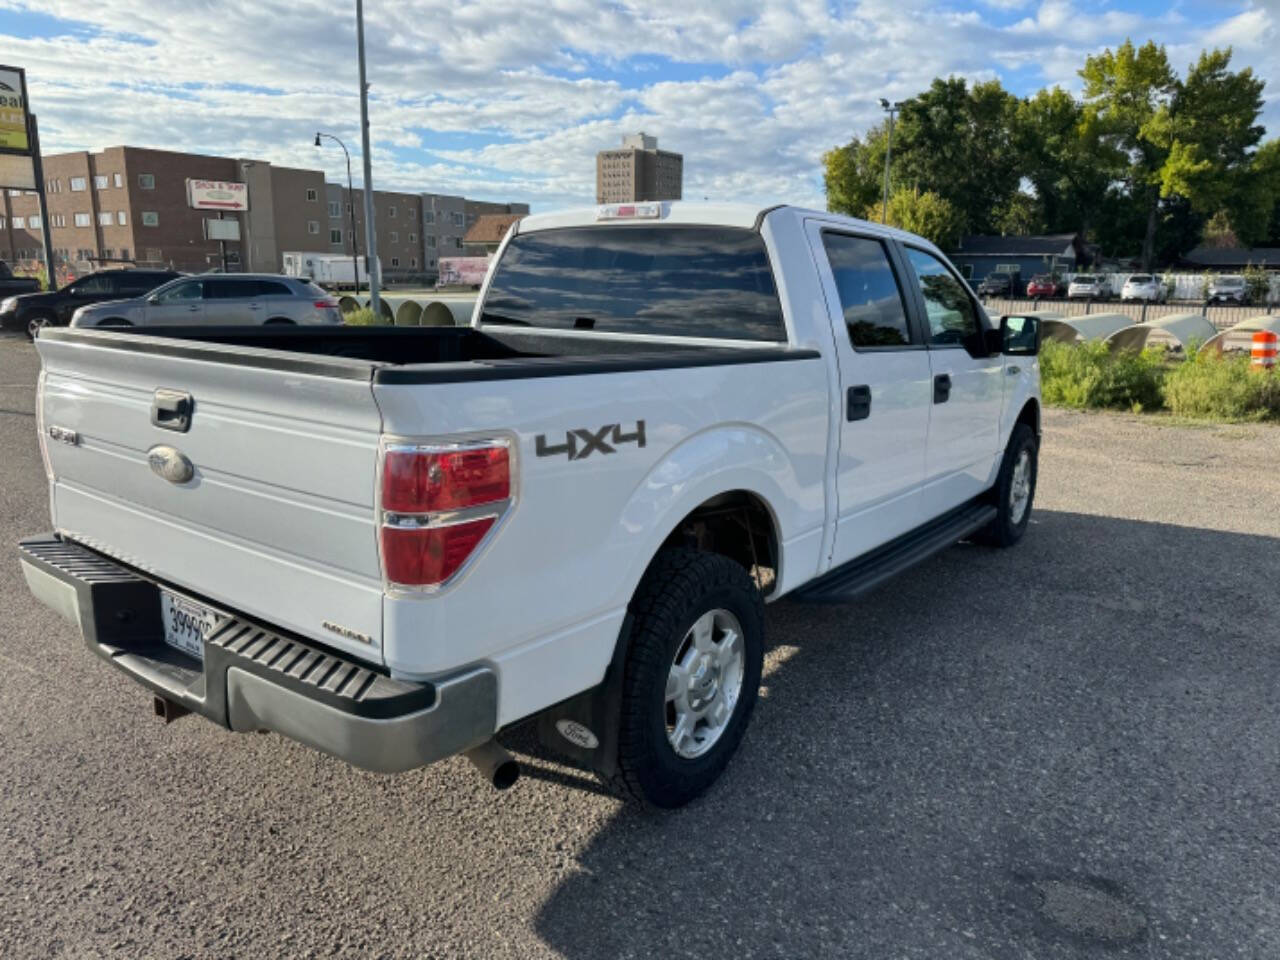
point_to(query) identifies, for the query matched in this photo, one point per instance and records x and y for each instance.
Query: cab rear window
(686, 281)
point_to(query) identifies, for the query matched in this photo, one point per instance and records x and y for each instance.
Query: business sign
(222, 230)
(17, 173)
(15, 136)
(217, 195)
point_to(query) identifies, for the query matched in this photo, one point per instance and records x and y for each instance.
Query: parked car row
(129, 297)
(1137, 287)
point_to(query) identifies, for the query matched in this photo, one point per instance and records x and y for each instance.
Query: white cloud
(501, 100)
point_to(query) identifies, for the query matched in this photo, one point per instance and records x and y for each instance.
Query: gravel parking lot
(1069, 749)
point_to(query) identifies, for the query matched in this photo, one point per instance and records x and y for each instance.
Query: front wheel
(1015, 489)
(691, 676)
(38, 323)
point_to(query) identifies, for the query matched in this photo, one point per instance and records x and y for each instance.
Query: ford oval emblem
(170, 464)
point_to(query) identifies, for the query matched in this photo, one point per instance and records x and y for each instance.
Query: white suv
(1145, 287)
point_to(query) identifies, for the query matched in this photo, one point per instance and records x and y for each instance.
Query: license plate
(186, 623)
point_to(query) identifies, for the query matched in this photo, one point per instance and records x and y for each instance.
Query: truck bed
(420, 354)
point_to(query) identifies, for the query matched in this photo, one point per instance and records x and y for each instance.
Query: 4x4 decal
(580, 444)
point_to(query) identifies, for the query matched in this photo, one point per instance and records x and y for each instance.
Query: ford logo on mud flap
(170, 464)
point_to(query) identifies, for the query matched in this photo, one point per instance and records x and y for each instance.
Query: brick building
(129, 205)
(638, 171)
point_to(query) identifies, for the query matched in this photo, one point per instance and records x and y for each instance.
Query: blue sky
(511, 101)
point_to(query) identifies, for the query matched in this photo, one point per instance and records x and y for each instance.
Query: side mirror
(1020, 336)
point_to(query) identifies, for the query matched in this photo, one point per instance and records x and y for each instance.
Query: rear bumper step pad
(255, 678)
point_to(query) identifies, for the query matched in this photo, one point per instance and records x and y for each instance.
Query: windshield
(1085, 278)
(687, 281)
(1231, 281)
(1041, 278)
(1140, 278)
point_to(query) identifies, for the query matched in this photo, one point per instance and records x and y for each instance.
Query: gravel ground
(1064, 750)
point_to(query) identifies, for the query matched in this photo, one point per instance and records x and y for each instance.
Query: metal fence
(1219, 315)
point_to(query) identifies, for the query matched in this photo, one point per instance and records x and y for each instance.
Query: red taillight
(424, 556)
(325, 304)
(428, 481)
(438, 503)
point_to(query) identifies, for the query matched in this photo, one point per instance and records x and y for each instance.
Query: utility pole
(891, 109)
(370, 233)
(37, 169)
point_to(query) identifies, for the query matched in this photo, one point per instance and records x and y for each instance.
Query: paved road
(1064, 750)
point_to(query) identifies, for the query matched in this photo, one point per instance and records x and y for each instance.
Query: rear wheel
(1015, 489)
(278, 321)
(691, 676)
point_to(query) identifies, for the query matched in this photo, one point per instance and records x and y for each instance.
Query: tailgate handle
(171, 410)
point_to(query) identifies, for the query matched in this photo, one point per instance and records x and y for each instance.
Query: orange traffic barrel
(1264, 349)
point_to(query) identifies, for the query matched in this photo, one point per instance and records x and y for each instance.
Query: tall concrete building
(128, 205)
(638, 171)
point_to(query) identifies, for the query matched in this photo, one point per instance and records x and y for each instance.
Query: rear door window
(686, 281)
(870, 296)
(228, 288)
(273, 288)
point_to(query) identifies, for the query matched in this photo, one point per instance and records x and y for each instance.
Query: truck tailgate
(278, 520)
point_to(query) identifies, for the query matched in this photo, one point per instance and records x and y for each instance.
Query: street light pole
(370, 234)
(891, 109)
(351, 200)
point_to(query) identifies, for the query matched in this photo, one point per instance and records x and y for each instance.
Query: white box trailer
(333, 270)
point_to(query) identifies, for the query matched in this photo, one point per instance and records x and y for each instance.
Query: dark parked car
(999, 285)
(10, 285)
(1046, 285)
(32, 311)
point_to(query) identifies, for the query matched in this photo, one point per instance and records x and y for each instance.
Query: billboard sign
(15, 132)
(217, 195)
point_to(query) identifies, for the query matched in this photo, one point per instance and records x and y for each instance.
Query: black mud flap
(584, 728)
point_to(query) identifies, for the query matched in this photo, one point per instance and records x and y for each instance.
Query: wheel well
(279, 320)
(1030, 415)
(738, 525)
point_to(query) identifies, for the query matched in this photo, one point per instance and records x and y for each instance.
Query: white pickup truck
(391, 544)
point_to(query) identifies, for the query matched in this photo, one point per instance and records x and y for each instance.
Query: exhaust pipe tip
(494, 764)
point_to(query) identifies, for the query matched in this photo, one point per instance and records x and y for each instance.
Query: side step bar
(872, 569)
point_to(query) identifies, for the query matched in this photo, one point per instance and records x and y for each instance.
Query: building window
(2, 224)
(458, 220)
(122, 218)
(118, 180)
(457, 241)
(311, 194)
(413, 238)
(100, 181)
(19, 223)
(124, 253)
(391, 212)
(395, 261)
(34, 222)
(413, 262)
(146, 181)
(431, 241)
(82, 220)
(155, 254)
(150, 218)
(335, 209)
(105, 219)
(108, 254)
(313, 227)
(348, 206)
(428, 216)
(395, 237)
(53, 186)
(78, 184)
(57, 220)
(335, 236)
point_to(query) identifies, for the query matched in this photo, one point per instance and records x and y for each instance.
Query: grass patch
(1213, 387)
(1089, 376)
(363, 317)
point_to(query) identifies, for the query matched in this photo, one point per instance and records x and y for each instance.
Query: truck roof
(690, 212)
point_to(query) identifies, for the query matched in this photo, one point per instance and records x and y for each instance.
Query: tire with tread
(679, 587)
(1002, 531)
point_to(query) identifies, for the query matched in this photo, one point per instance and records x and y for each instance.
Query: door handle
(942, 388)
(858, 403)
(193, 308)
(1013, 369)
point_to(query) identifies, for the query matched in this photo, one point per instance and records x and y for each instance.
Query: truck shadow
(1046, 751)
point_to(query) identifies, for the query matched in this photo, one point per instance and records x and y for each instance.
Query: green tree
(853, 174)
(956, 141)
(924, 213)
(1127, 97)
(1058, 154)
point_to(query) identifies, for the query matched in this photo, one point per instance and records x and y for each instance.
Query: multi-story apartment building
(129, 205)
(638, 171)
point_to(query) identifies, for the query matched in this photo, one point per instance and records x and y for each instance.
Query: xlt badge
(581, 443)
